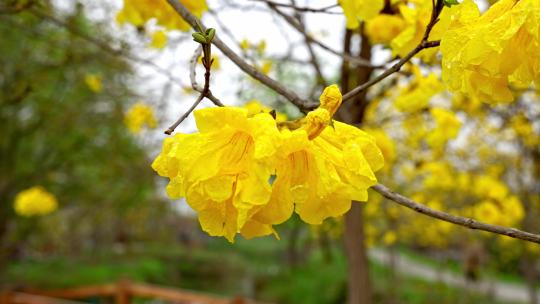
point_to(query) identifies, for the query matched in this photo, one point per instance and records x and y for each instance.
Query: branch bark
(454, 219)
(279, 88)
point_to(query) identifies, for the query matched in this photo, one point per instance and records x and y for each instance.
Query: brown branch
(279, 88)
(104, 46)
(321, 80)
(303, 8)
(454, 219)
(424, 44)
(204, 91)
(295, 24)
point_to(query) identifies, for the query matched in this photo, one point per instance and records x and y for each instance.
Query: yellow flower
(385, 143)
(255, 107)
(244, 44)
(35, 201)
(389, 238)
(242, 174)
(525, 130)
(360, 10)
(330, 99)
(482, 67)
(266, 67)
(138, 12)
(93, 81)
(487, 212)
(383, 28)
(417, 94)
(140, 115)
(447, 127)
(416, 18)
(159, 40)
(222, 170)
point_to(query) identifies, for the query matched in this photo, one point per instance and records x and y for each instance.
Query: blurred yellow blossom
(418, 92)
(266, 67)
(447, 127)
(383, 28)
(138, 12)
(35, 201)
(159, 40)
(140, 115)
(360, 10)
(94, 83)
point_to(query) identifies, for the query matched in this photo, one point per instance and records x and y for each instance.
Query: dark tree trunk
(359, 287)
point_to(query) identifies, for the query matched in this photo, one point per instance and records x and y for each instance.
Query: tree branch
(279, 88)
(205, 91)
(454, 219)
(303, 9)
(424, 44)
(298, 26)
(103, 45)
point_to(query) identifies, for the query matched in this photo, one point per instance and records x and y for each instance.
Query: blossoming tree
(426, 122)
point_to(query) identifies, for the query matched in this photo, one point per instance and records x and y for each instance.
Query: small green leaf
(210, 33)
(449, 3)
(200, 38)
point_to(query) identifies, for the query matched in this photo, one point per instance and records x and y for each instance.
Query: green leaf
(200, 38)
(449, 3)
(210, 33)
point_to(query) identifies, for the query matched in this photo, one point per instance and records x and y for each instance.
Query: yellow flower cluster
(35, 201)
(140, 115)
(525, 131)
(360, 10)
(383, 28)
(244, 174)
(138, 12)
(484, 54)
(418, 92)
(447, 127)
(498, 206)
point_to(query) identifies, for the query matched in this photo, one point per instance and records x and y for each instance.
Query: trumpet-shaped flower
(243, 174)
(222, 170)
(484, 54)
(35, 201)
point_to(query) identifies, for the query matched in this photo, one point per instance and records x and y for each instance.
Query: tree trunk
(359, 287)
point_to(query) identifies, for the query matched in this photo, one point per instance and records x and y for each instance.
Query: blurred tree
(62, 103)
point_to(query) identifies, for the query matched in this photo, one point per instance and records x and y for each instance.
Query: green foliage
(59, 133)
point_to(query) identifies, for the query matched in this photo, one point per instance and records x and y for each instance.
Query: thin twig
(103, 45)
(303, 8)
(295, 24)
(424, 44)
(279, 88)
(454, 219)
(321, 80)
(207, 63)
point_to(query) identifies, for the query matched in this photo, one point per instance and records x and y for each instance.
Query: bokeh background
(70, 75)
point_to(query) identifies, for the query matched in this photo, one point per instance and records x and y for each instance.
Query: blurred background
(84, 101)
